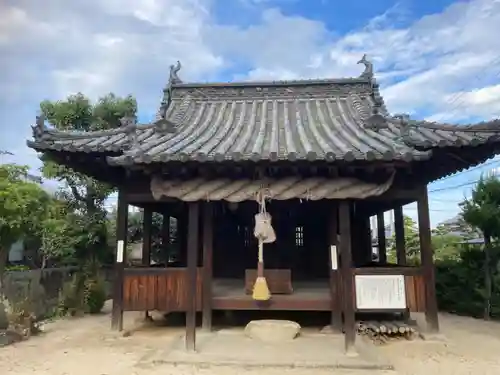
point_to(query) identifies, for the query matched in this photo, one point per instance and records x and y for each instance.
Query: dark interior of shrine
(303, 230)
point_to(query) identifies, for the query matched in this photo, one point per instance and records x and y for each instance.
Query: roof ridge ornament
(376, 121)
(406, 126)
(162, 124)
(368, 72)
(173, 77)
(129, 123)
(39, 129)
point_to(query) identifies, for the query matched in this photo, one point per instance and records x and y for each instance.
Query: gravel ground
(87, 346)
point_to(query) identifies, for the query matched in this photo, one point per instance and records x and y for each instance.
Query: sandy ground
(87, 346)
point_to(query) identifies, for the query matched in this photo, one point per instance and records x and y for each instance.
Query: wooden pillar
(120, 261)
(147, 219)
(192, 261)
(207, 265)
(347, 276)
(382, 249)
(426, 256)
(165, 237)
(182, 231)
(335, 277)
(365, 240)
(399, 229)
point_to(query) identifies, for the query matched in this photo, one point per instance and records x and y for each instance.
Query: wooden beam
(396, 194)
(335, 277)
(147, 221)
(426, 256)
(347, 276)
(207, 265)
(399, 229)
(382, 243)
(192, 260)
(120, 260)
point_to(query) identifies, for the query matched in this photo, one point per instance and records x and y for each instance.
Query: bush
(95, 296)
(82, 295)
(460, 285)
(21, 318)
(70, 298)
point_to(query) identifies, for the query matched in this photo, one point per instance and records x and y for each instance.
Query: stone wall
(42, 288)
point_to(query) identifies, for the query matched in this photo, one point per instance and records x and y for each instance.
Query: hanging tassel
(260, 289)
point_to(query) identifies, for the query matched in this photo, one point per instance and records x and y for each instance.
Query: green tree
(84, 195)
(55, 234)
(445, 246)
(482, 211)
(412, 242)
(23, 207)
(160, 252)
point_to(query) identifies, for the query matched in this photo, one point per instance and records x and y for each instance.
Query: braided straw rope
(314, 188)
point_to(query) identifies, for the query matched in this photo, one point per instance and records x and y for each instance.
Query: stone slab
(271, 330)
(233, 348)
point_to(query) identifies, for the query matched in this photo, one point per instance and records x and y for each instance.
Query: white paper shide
(375, 292)
(119, 251)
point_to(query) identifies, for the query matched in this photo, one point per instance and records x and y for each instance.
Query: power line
(454, 187)
(462, 93)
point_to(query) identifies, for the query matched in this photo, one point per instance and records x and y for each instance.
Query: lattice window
(299, 236)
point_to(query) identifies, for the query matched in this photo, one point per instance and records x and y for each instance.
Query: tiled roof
(427, 135)
(273, 127)
(294, 120)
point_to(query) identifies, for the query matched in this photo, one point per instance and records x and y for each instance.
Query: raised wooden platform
(164, 289)
(229, 294)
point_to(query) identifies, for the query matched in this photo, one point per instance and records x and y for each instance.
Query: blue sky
(436, 60)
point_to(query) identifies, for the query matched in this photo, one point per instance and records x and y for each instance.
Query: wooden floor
(229, 294)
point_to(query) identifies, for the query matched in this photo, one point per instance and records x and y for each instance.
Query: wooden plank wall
(158, 289)
(415, 293)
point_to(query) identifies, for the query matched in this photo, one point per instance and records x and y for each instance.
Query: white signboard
(333, 257)
(375, 292)
(119, 251)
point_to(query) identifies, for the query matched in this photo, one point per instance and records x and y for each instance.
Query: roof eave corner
(39, 131)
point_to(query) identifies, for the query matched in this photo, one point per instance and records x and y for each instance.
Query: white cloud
(443, 66)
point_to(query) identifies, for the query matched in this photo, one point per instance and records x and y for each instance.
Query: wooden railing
(163, 289)
(414, 283)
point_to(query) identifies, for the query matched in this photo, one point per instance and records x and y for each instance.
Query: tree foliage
(23, 206)
(85, 196)
(412, 242)
(482, 211)
(160, 253)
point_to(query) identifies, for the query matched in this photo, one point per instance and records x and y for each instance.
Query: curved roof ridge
(294, 82)
(49, 134)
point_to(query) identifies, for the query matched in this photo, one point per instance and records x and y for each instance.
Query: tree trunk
(487, 276)
(4, 257)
